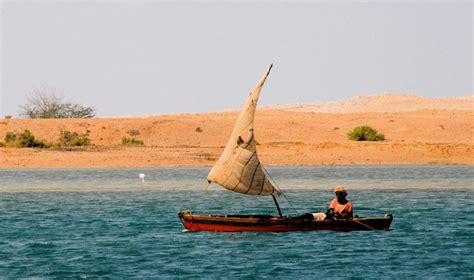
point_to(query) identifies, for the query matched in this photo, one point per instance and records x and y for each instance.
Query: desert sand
(386, 102)
(286, 135)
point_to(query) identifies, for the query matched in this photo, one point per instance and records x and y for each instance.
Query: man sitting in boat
(339, 208)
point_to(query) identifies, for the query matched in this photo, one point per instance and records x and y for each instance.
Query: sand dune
(388, 102)
(285, 137)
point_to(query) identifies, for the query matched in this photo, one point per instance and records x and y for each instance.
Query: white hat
(340, 189)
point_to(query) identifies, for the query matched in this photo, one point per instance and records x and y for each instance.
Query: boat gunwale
(251, 217)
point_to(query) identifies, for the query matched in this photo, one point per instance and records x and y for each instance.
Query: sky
(151, 58)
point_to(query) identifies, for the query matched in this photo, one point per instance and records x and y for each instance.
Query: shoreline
(206, 166)
(325, 154)
(284, 139)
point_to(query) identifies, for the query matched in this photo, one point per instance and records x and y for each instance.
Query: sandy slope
(285, 138)
(387, 102)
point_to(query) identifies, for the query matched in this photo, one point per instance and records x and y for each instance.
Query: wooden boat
(193, 222)
(238, 169)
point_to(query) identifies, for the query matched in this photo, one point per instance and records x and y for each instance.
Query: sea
(106, 223)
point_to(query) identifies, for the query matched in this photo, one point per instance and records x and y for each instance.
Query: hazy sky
(129, 58)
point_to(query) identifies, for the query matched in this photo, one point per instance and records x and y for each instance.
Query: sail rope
(208, 193)
(279, 189)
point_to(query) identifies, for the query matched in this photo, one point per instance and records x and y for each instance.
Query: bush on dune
(365, 133)
(131, 142)
(73, 139)
(26, 139)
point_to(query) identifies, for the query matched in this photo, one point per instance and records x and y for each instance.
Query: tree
(46, 103)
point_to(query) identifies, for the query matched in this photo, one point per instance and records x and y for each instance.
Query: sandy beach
(285, 137)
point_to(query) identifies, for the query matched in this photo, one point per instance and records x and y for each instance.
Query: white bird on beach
(142, 176)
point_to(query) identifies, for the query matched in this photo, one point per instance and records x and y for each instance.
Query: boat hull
(194, 222)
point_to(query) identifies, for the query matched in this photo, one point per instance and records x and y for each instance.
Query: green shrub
(26, 139)
(365, 133)
(131, 142)
(2, 144)
(73, 139)
(10, 137)
(198, 129)
(133, 132)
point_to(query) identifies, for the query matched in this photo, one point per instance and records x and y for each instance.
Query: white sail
(239, 169)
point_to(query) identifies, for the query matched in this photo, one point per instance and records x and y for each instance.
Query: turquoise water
(104, 223)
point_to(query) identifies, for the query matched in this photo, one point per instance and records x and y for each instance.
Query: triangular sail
(239, 169)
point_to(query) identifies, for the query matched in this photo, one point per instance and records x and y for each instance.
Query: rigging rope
(274, 184)
(281, 192)
(209, 194)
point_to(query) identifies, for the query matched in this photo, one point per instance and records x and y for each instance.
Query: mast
(278, 206)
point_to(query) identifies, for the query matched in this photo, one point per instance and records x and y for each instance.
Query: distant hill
(387, 102)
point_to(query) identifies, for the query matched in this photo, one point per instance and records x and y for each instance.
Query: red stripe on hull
(274, 228)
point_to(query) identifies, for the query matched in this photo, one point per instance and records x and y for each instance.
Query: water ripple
(135, 233)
